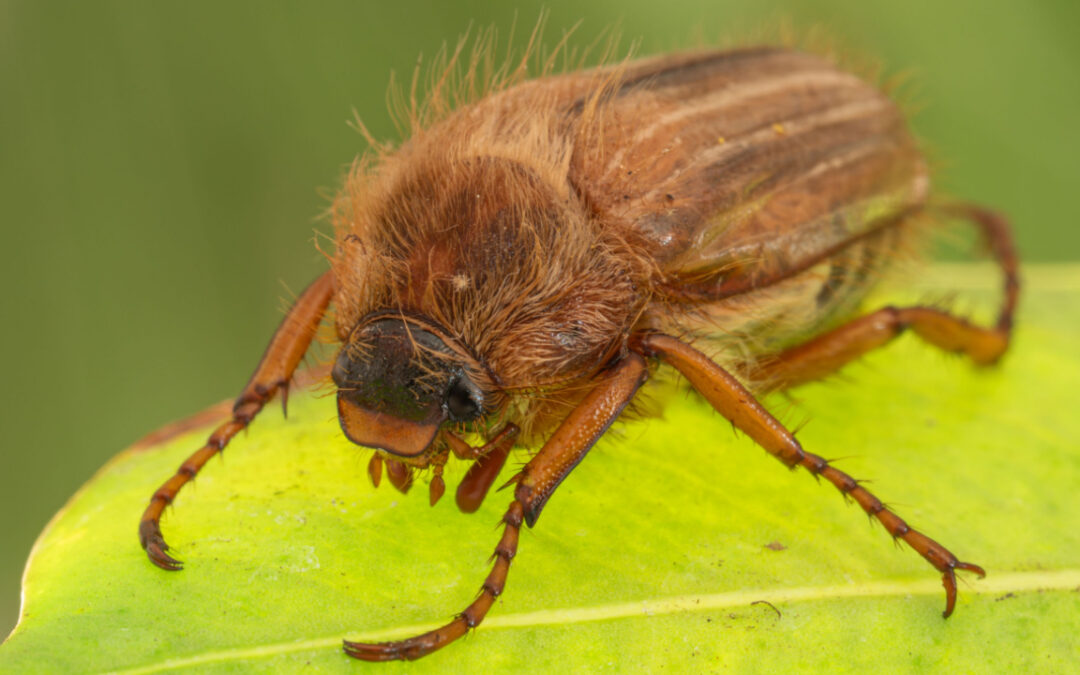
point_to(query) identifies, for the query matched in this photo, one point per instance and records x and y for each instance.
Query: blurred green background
(162, 168)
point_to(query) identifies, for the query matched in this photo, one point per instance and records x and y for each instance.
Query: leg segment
(734, 402)
(562, 452)
(827, 353)
(286, 348)
(422, 645)
(998, 235)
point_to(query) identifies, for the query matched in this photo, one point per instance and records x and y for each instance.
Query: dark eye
(463, 400)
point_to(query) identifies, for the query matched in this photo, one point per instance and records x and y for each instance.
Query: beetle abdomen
(763, 321)
(740, 168)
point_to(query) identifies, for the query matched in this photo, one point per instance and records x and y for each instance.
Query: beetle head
(399, 379)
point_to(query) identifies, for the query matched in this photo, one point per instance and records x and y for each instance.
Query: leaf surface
(655, 554)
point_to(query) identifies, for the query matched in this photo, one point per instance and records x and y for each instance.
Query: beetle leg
(734, 402)
(490, 459)
(278, 363)
(827, 353)
(998, 235)
(823, 355)
(539, 478)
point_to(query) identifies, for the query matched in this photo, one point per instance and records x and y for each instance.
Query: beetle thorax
(505, 263)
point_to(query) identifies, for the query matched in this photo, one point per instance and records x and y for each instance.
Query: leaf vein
(1016, 582)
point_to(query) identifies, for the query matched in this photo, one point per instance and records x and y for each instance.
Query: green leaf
(650, 556)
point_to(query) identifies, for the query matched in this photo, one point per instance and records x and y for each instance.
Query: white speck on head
(460, 282)
(920, 187)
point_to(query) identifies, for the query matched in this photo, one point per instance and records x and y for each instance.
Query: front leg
(734, 402)
(539, 478)
(286, 349)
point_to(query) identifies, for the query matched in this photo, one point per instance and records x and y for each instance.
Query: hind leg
(827, 353)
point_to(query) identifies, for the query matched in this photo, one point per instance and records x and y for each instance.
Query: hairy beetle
(522, 263)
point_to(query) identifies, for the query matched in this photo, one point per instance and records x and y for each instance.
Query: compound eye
(463, 400)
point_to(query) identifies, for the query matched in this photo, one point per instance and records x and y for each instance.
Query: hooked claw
(154, 545)
(948, 579)
(410, 649)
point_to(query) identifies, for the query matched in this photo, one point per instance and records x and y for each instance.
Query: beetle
(521, 264)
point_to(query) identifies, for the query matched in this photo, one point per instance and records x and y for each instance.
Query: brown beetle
(520, 266)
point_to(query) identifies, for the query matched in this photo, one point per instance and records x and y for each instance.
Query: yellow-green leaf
(653, 555)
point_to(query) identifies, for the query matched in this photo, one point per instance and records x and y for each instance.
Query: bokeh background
(163, 168)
